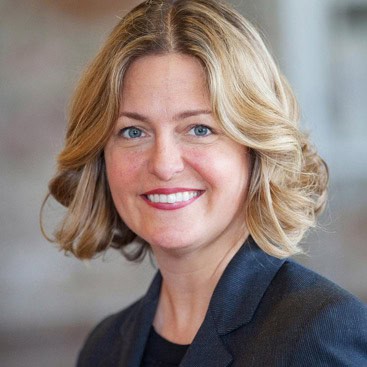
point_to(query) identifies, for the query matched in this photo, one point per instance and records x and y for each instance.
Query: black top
(160, 352)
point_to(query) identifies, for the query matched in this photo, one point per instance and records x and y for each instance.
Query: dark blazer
(264, 312)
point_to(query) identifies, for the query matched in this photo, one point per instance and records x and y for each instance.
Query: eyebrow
(179, 116)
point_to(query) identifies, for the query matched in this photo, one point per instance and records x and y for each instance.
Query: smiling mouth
(174, 198)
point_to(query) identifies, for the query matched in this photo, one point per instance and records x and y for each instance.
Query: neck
(189, 280)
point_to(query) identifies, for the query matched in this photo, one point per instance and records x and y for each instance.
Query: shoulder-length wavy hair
(250, 99)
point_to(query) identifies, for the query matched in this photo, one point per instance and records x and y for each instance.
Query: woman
(184, 136)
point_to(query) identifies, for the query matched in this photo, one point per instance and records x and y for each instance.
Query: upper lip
(167, 191)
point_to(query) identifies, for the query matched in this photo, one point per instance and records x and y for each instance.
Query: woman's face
(176, 179)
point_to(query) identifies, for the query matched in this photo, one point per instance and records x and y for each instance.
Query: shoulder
(311, 288)
(308, 295)
(102, 345)
(329, 323)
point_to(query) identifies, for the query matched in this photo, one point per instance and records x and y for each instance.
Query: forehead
(165, 78)
(171, 66)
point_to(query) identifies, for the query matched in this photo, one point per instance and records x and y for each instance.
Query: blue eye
(131, 133)
(200, 130)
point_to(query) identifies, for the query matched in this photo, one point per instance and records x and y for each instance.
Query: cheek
(122, 171)
(226, 169)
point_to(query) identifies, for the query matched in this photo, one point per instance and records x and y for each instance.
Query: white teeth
(173, 198)
(179, 196)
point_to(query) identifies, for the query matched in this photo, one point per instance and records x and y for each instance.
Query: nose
(165, 159)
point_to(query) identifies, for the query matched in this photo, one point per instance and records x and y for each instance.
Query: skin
(167, 138)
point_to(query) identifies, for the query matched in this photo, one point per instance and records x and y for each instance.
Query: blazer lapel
(242, 286)
(135, 329)
(233, 304)
(207, 348)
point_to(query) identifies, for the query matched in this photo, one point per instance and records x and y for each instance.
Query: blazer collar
(242, 286)
(233, 304)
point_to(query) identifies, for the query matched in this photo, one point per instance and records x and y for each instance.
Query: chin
(170, 243)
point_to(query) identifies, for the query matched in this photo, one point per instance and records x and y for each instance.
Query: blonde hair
(250, 98)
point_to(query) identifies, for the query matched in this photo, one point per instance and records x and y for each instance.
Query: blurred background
(49, 301)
